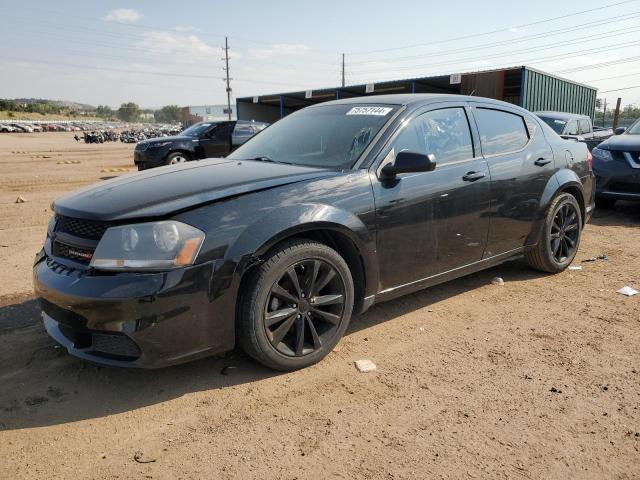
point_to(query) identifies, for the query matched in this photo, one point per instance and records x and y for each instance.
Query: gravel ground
(538, 378)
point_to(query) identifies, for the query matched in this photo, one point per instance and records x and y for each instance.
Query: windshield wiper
(265, 158)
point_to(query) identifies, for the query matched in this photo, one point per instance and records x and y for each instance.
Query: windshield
(331, 136)
(196, 130)
(634, 129)
(555, 123)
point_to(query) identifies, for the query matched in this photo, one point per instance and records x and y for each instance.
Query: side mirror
(619, 131)
(409, 162)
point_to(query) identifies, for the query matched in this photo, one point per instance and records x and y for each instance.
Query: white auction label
(379, 111)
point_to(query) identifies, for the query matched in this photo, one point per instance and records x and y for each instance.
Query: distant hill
(62, 103)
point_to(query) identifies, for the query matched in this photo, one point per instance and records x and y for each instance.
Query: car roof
(411, 99)
(560, 115)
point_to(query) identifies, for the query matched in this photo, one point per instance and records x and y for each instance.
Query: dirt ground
(539, 378)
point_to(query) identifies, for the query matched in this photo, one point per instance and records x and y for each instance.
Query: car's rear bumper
(137, 320)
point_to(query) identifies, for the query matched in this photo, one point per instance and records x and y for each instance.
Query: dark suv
(616, 163)
(326, 212)
(202, 140)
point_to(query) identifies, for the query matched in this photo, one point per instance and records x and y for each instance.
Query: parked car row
(79, 126)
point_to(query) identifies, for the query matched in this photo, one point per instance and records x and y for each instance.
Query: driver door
(432, 222)
(216, 142)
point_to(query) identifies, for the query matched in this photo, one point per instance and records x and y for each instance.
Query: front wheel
(560, 236)
(296, 306)
(175, 158)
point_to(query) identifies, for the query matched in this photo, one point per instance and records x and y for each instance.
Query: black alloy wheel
(295, 305)
(560, 236)
(565, 232)
(304, 308)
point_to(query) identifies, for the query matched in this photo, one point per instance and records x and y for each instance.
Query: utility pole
(604, 113)
(228, 79)
(616, 114)
(343, 70)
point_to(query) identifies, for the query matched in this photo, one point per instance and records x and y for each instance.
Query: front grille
(112, 345)
(82, 255)
(80, 228)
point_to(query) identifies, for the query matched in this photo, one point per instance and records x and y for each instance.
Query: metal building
(524, 86)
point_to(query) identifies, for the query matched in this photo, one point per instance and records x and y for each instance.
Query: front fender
(293, 220)
(559, 181)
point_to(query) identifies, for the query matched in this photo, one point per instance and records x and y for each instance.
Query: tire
(560, 238)
(176, 157)
(604, 202)
(269, 324)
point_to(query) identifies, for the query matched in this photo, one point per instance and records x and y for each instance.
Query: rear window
(500, 131)
(585, 126)
(556, 124)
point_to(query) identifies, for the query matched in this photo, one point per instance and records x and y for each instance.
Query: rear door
(432, 222)
(521, 163)
(217, 141)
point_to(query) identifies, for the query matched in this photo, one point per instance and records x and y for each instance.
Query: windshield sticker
(378, 111)
(561, 122)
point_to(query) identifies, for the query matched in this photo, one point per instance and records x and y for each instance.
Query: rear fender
(562, 180)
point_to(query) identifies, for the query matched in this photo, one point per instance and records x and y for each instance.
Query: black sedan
(328, 211)
(616, 163)
(202, 140)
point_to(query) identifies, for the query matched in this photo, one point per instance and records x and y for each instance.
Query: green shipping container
(542, 91)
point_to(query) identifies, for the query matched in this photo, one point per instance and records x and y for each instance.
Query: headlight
(602, 154)
(148, 246)
(159, 144)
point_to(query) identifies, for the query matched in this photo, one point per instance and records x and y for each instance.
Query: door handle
(473, 176)
(541, 162)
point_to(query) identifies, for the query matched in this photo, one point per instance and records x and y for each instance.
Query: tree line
(604, 118)
(128, 112)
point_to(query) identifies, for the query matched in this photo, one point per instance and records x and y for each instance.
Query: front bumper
(149, 158)
(618, 179)
(137, 320)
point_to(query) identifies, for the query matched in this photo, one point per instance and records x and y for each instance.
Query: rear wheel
(176, 157)
(560, 236)
(296, 306)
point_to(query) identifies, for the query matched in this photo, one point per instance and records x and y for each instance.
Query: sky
(157, 52)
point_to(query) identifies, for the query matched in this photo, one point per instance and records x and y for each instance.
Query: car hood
(173, 138)
(167, 190)
(622, 142)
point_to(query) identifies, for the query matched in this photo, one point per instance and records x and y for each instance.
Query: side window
(222, 131)
(500, 131)
(243, 130)
(444, 133)
(585, 126)
(571, 128)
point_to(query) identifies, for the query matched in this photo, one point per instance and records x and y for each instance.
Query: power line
(501, 30)
(534, 60)
(620, 89)
(614, 77)
(140, 72)
(526, 38)
(549, 46)
(601, 64)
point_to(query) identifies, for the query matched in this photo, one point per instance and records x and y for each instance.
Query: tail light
(590, 161)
